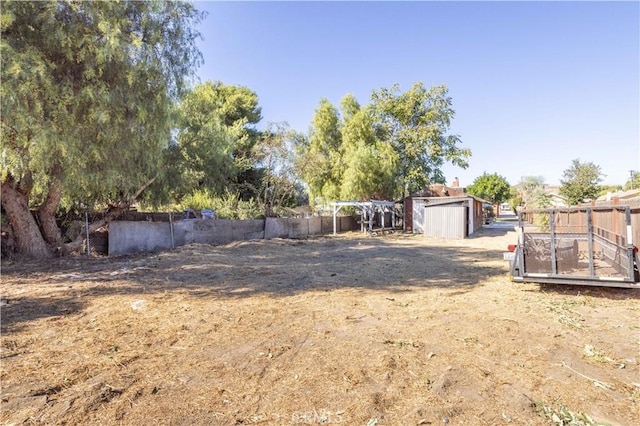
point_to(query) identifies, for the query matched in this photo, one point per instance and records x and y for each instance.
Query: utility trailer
(575, 245)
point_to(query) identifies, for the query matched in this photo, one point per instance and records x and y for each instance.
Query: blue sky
(534, 84)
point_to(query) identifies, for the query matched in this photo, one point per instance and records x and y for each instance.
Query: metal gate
(577, 245)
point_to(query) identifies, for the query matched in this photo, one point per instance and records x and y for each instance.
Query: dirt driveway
(388, 330)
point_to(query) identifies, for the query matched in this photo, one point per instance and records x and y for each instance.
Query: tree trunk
(76, 244)
(114, 213)
(47, 215)
(29, 240)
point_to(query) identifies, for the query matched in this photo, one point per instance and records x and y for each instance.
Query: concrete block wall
(292, 227)
(134, 236)
(138, 237)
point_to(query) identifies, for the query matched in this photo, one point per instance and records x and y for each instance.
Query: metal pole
(335, 212)
(371, 213)
(520, 248)
(393, 217)
(552, 244)
(173, 245)
(627, 212)
(592, 271)
(86, 227)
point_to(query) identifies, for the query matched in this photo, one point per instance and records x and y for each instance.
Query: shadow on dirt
(244, 269)
(277, 268)
(612, 293)
(22, 310)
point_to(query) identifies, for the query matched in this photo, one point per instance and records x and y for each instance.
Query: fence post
(592, 270)
(171, 226)
(86, 227)
(630, 252)
(552, 243)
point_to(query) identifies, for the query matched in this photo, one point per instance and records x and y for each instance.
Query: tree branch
(112, 214)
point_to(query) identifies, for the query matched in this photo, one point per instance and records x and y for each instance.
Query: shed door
(418, 216)
(448, 221)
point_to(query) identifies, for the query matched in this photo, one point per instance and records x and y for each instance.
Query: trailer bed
(579, 246)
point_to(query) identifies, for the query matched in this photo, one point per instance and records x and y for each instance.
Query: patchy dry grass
(390, 330)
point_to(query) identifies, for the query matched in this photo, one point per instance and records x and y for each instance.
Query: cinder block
(298, 228)
(276, 228)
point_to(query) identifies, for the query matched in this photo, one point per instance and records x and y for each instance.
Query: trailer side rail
(580, 245)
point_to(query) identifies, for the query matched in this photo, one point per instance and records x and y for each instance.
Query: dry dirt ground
(385, 330)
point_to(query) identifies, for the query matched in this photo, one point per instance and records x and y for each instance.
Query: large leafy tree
(319, 161)
(395, 145)
(280, 185)
(238, 109)
(416, 123)
(369, 164)
(491, 187)
(580, 182)
(212, 151)
(86, 93)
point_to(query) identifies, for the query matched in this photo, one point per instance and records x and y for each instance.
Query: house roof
(621, 195)
(438, 193)
(439, 190)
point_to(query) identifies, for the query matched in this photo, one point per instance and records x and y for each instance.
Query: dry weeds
(389, 330)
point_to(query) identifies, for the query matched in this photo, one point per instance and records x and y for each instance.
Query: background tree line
(580, 183)
(98, 113)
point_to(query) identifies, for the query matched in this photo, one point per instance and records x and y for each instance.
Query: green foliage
(202, 157)
(415, 123)
(581, 182)
(530, 193)
(563, 416)
(605, 189)
(515, 199)
(86, 92)
(396, 144)
(633, 182)
(491, 187)
(533, 194)
(213, 147)
(227, 205)
(369, 165)
(319, 160)
(279, 185)
(198, 200)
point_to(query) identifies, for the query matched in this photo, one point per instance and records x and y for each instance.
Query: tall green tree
(280, 184)
(319, 160)
(416, 123)
(395, 145)
(214, 138)
(369, 164)
(239, 111)
(86, 92)
(491, 187)
(531, 193)
(580, 182)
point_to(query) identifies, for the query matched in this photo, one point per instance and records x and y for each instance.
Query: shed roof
(456, 199)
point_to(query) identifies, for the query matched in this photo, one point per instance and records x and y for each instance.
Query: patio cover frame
(367, 210)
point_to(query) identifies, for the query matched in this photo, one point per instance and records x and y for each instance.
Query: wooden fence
(609, 221)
